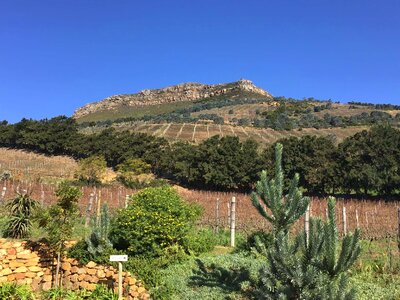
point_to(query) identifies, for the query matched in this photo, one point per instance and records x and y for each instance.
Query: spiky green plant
(284, 209)
(316, 269)
(98, 241)
(21, 209)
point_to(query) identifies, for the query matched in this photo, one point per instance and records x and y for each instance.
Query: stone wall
(29, 263)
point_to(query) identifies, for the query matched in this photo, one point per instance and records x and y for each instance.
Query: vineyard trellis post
(357, 219)
(398, 229)
(126, 201)
(307, 224)
(229, 213)
(98, 208)
(344, 220)
(233, 216)
(217, 216)
(41, 194)
(89, 209)
(3, 193)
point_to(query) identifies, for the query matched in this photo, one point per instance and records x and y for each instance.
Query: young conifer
(284, 209)
(313, 267)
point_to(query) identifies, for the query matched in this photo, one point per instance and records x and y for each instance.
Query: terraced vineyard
(198, 132)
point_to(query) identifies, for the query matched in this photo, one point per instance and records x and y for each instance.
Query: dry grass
(30, 166)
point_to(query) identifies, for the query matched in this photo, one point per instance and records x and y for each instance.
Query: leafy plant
(155, 219)
(12, 291)
(91, 169)
(59, 219)
(21, 210)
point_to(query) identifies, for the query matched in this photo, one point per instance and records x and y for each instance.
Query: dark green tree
(370, 160)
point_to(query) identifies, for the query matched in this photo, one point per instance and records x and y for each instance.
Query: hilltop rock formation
(182, 92)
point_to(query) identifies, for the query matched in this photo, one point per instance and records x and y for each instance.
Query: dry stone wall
(29, 263)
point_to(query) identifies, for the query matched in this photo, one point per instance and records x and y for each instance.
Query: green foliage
(59, 219)
(256, 243)
(313, 267)
(12, 291)
(91, 169)
(134, 166)
(199, 241)
(155, 219)
(148, 268)
(285, 209)
(100, 293)
(370, 160)
(192, 279)
(98, 241)
(21, 210)
(309, 156)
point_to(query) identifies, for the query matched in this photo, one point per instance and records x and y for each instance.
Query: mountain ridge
(190, 91)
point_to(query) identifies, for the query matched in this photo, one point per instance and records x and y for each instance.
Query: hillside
(195, 112)
(165, 100)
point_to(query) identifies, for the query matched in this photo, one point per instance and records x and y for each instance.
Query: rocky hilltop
(177, 93)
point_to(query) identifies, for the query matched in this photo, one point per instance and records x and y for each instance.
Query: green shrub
(155, 219)
(148, 268)
(201, 240)
(100, 293)
(12, 291)
(80, 252)
(21, 210)
(183, 281)
(256, 242)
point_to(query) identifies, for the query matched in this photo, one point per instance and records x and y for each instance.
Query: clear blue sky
(57, 55)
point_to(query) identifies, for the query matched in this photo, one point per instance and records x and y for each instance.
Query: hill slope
(194, 112)
(165, 99)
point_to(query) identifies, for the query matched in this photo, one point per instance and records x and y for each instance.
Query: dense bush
(155, 219)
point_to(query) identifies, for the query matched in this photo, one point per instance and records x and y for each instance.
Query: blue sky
(57, 55)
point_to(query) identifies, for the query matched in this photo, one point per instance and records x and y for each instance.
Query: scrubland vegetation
(167, 233)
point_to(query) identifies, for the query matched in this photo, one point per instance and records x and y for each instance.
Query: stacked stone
(21, 265)
(88, 276)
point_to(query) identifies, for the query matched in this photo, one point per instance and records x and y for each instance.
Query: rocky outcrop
(176, 93)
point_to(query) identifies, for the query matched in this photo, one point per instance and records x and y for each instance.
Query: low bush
(256, 242)
(200, 240)
(12, 291)
(155, 219)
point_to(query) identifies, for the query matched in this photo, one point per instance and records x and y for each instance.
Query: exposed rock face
(177, 93)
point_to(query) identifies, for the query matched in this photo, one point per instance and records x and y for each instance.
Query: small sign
(118, 257)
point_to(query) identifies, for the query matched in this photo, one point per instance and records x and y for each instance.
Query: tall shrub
(155, 219)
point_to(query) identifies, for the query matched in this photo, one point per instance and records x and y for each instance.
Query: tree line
(366, 163)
